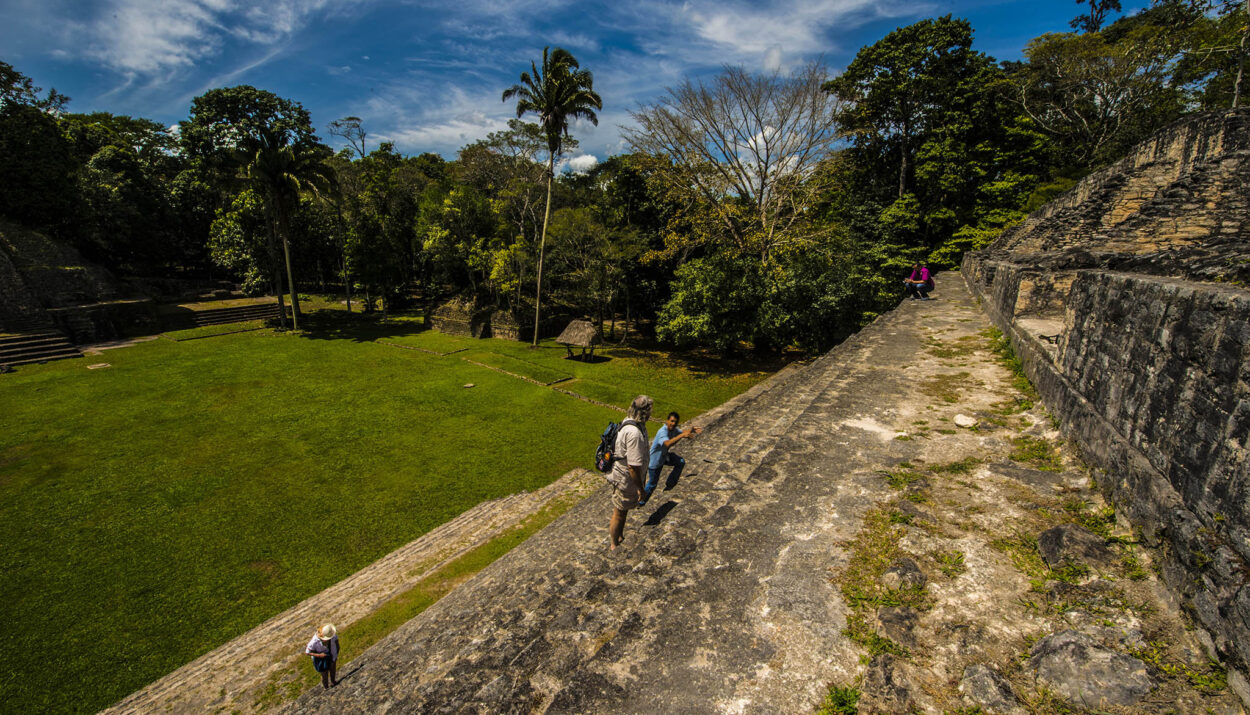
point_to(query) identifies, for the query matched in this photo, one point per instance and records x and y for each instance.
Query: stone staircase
(239, 314)
(33, 341)
(563, 625)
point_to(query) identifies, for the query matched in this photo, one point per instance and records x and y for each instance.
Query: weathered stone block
(1069, 543)
(1088, 674)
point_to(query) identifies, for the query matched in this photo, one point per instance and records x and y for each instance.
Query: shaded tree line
(768, 211)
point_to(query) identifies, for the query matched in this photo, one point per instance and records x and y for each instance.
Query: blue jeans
(653, 473)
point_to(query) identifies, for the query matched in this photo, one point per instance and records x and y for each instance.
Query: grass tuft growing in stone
(858, 630)
(900, 478)
(1021, 547)
(947, 387)
(1037, 453)
(963, 466)
(840, 700)
(1099, 521)
(960, 347)
(1210, 679)
(1001, 345)
(950, 563)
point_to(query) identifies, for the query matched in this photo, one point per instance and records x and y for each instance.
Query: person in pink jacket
(920, 282)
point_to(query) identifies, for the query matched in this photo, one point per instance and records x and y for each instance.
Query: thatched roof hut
(579, 334)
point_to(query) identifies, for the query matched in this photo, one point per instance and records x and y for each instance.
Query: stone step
(28, 341)
(35, 348)
(41, 357)
(220, 316)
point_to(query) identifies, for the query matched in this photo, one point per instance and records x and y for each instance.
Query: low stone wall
(1125, 300)
(100, 322)
(1150, 377)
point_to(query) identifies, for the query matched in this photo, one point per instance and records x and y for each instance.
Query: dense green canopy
(754, 210)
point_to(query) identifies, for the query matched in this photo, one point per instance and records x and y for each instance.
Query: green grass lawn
(152, 510)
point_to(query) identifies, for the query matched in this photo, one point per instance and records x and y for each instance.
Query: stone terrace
(728, 592)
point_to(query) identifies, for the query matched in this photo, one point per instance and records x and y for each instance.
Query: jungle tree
(560, 91)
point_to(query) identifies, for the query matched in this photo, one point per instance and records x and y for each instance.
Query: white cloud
(580, 164)
(800, 26)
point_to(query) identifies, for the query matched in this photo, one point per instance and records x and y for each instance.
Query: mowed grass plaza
(154, 509)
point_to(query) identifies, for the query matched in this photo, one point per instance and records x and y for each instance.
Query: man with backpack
(629, 466)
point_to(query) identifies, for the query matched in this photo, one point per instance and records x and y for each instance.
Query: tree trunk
(1241, 58)
(277, 290)
(290, 277)
(625, 333)
(347, 285)
(902, 167)
(542, 243)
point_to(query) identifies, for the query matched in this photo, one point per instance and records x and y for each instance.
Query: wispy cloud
(155, 37)
(441, 119)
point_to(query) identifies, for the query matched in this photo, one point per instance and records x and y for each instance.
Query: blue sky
(428, 75)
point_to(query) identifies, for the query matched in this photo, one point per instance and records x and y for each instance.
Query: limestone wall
(1126, 301)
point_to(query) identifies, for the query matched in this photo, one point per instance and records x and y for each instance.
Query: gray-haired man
(629, 468)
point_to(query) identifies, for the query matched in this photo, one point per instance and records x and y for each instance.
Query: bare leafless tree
(350, 129)
(747, 147)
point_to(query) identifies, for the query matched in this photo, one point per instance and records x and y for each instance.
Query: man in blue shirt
(665, 438)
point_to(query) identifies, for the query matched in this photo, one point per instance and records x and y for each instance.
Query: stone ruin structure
(460, 316)
(463, 316)
(45, 283)
(1126, 301)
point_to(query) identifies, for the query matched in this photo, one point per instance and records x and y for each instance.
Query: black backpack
(604, 457)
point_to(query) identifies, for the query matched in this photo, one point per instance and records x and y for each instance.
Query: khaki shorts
(626, 497)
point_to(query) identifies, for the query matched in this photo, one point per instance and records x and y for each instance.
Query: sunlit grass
(155, 509)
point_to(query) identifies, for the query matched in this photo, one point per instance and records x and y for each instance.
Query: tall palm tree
(280, 172)
(560, 91)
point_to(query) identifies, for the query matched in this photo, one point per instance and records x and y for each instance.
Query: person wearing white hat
(324, 649)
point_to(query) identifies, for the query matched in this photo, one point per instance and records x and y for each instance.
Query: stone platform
(729, 593)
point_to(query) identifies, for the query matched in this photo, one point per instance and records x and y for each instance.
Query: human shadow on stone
(658, 515)
(350, 673)
(674, 476)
